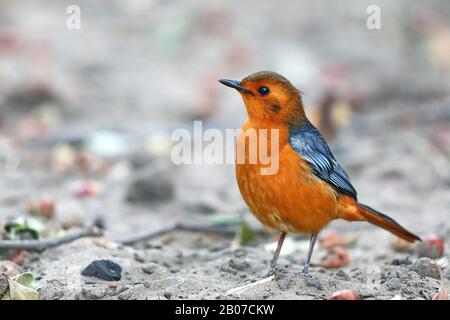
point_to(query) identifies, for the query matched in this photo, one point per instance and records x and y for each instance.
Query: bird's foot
(269, 272)
(306, 270)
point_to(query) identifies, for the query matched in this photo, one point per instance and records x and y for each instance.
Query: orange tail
(351, 210)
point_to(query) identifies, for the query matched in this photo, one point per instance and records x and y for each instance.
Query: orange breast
(293, 199)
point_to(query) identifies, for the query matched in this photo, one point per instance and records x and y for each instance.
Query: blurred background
(86, 114)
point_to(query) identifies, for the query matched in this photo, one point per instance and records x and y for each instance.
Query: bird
(310, 188)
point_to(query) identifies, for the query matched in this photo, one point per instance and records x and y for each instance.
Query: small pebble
(167, 295)
(239, 265)
(174, 270)
(401, 262)
(138, 258)
(315, 283)
(148, 269)
(426, 267)
(240, 253)
(343, 275)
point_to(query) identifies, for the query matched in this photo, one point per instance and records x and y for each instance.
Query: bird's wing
(311, 146)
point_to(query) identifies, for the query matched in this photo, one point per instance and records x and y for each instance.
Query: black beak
(235, 85)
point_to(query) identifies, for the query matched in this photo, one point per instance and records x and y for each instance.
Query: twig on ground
(177, 227)
(41, 245)
(241, 289)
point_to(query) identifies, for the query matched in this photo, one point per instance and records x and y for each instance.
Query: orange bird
(310, 188)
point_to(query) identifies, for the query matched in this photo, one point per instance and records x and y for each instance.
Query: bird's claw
(269, 272)
(306, 269)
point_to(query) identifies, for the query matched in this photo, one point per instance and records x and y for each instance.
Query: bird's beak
(235, 85)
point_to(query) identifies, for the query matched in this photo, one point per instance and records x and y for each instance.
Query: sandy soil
(192, 265)
(97, 107)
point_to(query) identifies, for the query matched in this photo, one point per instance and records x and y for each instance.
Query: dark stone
(151, 187)
(149, 269)
(402, 262)
(99, 222)
(103, 269)
(167, 295)
(238, 264)
(138, 257)
(174, 270)
(343, 275)
(240, 253)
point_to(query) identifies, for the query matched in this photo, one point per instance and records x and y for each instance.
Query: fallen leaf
(22, 287)
(22, 225)
(9, 268)
(27, 279)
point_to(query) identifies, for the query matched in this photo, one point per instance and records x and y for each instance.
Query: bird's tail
(351, 210)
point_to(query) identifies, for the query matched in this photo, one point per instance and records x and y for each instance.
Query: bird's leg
(312, 242)
(273, 264)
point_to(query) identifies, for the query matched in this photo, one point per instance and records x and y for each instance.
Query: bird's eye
(264, 91)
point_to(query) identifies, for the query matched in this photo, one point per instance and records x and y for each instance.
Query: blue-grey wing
(310, 145)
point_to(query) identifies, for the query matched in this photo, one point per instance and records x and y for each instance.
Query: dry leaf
(22, 287)
(9, 268)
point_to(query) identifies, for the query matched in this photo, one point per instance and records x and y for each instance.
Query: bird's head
(269, 96)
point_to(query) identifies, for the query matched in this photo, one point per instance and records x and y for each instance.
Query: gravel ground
(196, 265)
(86, 116)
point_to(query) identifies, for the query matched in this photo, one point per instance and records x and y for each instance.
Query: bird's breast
(291, 200)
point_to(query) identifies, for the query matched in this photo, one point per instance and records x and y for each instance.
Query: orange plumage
(293, 200)
(309, 189)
